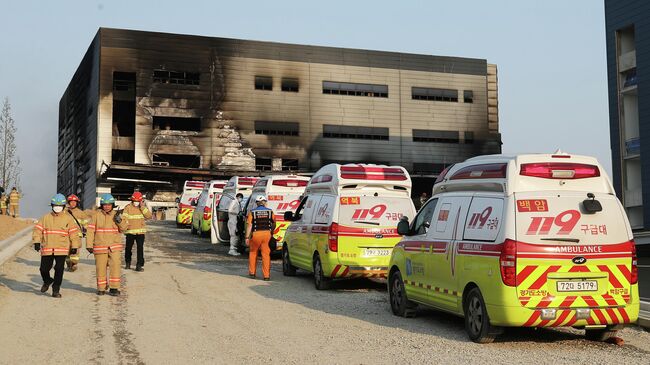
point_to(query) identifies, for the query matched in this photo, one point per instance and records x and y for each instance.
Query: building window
(123, 156)
(277, 128)
(263, 164)
(469, 137)
(176, 77)
(424, 135)
(263, 83)
(352, 132)
(177, 124)
(428, 168)
(348, 88)
(426, 93)
(289, 164)
(468, 96)
(291, 85)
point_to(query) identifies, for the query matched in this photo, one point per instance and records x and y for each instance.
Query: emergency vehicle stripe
(523, 274)
(600, 315)
(589, 300)
(561, 318)
(346, 271)
(533, 318)
(626, 273)
(568, 301)
(624, 315)
(579, 269)
(542, 279)
(612, 315)
(572, 321)
(612, 278)
(336, 269)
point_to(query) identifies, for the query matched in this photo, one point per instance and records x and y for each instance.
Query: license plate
(376, 252)
(585, 285)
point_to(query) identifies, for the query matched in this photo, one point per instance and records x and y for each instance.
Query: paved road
(195, 304)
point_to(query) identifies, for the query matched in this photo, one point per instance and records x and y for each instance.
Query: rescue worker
(81, 220)
(135, 213)
(14, 201)
(258, 234)
(3, 203)
(104, 240)
(234, 210)
(55, 235)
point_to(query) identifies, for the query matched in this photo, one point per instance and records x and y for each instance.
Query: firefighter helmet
(261, 198)
(136, 197)
(106, 199)
(73, 198)
(58, 199)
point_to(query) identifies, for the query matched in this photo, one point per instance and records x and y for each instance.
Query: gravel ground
(195, 304)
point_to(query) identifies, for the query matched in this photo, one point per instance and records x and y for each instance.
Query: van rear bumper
(351, 271)
(518, 316)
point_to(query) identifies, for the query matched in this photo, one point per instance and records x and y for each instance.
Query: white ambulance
(236, 184)
(344, 226)
(187, 202)
(283, 193)
(202, 216)
(520, 241)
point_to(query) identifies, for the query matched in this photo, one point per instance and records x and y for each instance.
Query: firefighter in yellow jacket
(135, 213)
(81, 220)
(14, 202)
(104, 240)
(55, 235)
(3, 202)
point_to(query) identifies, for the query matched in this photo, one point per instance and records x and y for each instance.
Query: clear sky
(550, 55)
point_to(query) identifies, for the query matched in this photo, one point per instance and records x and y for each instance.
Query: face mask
(136, 204)
(57, 209)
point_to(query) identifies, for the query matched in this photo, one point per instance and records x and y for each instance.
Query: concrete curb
(11, 246)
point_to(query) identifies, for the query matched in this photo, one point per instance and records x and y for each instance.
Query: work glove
(117, 218)
(89, 249)
(73, 251)
(37, 246)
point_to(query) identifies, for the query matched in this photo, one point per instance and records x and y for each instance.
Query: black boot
(101, 292)
(45, 287)
(139, 268)
(55, 293)
(113, 292)
(128, 266)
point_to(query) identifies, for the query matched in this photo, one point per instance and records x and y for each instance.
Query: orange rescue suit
(260, 219)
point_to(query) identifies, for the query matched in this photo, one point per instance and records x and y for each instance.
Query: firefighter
(14, 201)
(104, 240)
(81, 220)
(55, 235)
(135, 213)
(258, 234)
(3, 203)
(234, 211)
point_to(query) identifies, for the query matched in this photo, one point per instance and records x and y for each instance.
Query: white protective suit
(233, 211)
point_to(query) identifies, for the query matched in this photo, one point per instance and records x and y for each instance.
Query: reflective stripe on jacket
(136, 217)
(103, 233)
(56, 233)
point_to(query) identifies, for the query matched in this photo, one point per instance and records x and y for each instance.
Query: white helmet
(260, 198)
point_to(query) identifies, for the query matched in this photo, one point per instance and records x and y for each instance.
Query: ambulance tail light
(333, 237)
(290, 183)
(559, 170)
(508, 263)
(206, 213)
(634, 272)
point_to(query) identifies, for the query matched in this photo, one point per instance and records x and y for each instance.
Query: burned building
(150, 110)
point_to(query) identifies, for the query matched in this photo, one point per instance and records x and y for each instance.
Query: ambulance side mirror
(288, 216)
(403, 227)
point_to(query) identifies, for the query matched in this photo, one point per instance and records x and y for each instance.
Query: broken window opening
(123, 156)
(434, 94)
(263, 164)
(277, 128)
(351, 132)
(123, 118)
(177, 124)
(355, 89)
(188, 161)
(176, 77)
(289, 164)
(290, 85)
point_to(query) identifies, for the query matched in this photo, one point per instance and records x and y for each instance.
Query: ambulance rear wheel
(599, 335)
(287, 268)
(399, 303)
(477, 323)
(321, 282)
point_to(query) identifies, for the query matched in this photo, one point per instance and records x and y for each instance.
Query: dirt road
(195, 304)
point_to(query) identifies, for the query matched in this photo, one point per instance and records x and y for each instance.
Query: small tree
(9, 161)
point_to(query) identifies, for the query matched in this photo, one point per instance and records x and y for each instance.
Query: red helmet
(72, 198)
(136, 197)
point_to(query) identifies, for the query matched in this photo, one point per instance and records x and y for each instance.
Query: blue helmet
(58, 199)
(106, 199)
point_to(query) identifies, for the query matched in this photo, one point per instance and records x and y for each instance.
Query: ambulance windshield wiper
(364, 222)
(572, 240)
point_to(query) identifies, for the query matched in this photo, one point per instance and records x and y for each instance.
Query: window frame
(433, 202)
